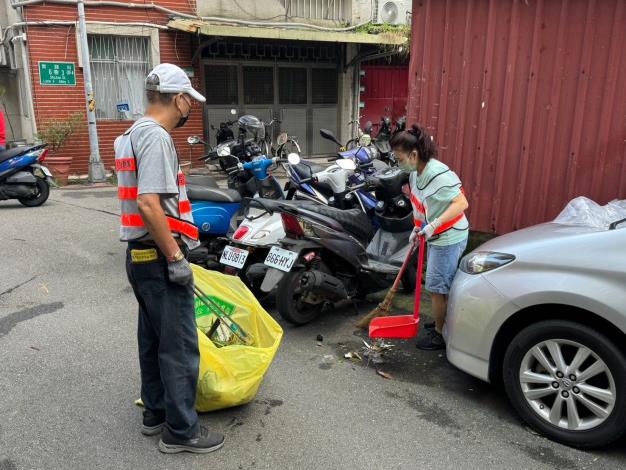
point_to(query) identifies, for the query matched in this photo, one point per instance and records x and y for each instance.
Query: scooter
(23, 177)
(261, 228)
(330, 254)
(217, 212)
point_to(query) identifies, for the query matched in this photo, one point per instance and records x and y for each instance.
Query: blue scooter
(301, 185)
(215, 210)
(23, 177)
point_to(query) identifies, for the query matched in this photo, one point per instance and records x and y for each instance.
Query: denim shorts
(441, 267)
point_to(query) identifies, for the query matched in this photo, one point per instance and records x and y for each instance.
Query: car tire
(568, 426)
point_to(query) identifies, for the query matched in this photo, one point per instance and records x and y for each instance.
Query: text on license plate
(235, 257)
(281, 259)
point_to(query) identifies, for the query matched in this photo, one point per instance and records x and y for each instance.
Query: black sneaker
(204, 442)
(429, 326)
(432, 342)
(153, 423)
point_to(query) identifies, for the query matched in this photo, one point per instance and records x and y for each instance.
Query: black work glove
(180, 272)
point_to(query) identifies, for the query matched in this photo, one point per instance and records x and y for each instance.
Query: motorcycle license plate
(46, 171)
(235, 257)
(281, 259)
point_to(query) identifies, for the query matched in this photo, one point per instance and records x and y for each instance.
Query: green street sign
(57, 73)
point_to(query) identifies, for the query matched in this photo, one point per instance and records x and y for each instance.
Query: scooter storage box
(212, 218)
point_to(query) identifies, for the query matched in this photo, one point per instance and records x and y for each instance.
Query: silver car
(543, 311)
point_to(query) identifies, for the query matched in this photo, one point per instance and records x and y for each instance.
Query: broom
(223, 317)
(383, 308)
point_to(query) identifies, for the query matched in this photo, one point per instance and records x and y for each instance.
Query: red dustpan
(402, 326)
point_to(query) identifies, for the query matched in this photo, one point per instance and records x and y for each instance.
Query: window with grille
(324, 86)
(292, 85)
(221, 84)
(119, 66)
(258, 85)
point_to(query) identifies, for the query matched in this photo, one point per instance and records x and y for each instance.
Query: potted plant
(56, 133)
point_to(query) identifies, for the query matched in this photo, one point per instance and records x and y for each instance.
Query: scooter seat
(14, 152)
(202, 180)
(353, 220)
(203, 193)
(303, 170)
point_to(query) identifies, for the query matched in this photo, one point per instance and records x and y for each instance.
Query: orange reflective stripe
(417, 203)
(132, 220)
(179, 226)
(181, 179)
(129, 192)
(184, 207)
(125, 164)
(448, 225)
(186, 228)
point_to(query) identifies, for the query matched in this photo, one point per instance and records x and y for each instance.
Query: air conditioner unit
(394, 11)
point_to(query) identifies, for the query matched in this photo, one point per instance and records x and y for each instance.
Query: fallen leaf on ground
(384, 375)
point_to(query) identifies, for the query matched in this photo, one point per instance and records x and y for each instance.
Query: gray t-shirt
(157, 167)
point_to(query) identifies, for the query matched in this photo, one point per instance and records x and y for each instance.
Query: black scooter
(329, 255)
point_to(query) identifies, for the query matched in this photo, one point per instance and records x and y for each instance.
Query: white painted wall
(274, 10)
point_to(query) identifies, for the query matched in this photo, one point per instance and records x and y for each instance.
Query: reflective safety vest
(133, 227)
(419, 200)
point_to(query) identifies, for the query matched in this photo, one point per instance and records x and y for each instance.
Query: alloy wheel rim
(567, 384)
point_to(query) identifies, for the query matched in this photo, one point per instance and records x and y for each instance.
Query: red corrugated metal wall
(526, 99)
(385, 92)
(58, 44)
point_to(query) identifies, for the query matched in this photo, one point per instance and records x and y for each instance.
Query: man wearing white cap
(156, 223)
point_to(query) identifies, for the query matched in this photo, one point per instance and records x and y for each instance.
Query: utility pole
(96, 167)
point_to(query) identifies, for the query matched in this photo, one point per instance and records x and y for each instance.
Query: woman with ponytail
(439, 206)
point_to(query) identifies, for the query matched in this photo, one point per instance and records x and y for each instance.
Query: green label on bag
(203, 310)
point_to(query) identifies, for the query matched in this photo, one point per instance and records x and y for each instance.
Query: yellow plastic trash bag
(231, 375)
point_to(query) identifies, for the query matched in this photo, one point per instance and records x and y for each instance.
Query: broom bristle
(381, 310)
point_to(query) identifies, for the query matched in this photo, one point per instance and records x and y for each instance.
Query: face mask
(407, 165)
(183, 119)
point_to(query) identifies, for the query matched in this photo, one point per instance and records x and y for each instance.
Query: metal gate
(304, 97)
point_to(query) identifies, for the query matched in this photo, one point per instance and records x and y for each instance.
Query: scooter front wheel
(43, 192)
(290, 299)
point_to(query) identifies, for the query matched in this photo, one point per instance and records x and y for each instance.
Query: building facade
(261, 58)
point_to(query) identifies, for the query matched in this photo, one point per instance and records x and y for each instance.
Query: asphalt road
(69, 376)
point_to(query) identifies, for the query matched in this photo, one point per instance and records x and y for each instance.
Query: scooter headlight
(483, 261)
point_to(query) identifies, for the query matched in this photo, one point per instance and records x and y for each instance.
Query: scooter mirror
(282, 138)
(193, 140)
(346, 164)
(293, 158)
(233, 112)
(329, 135)
(365, 140)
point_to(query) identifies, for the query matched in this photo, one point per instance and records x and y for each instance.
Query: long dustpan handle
(418, 281)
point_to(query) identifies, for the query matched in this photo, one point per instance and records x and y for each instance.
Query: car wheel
(568, 382)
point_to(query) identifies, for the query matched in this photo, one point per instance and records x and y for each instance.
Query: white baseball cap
(173, 79)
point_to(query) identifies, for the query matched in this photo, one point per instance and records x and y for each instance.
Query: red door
(384, 93)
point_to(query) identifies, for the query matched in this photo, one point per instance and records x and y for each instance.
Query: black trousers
(168, 343)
